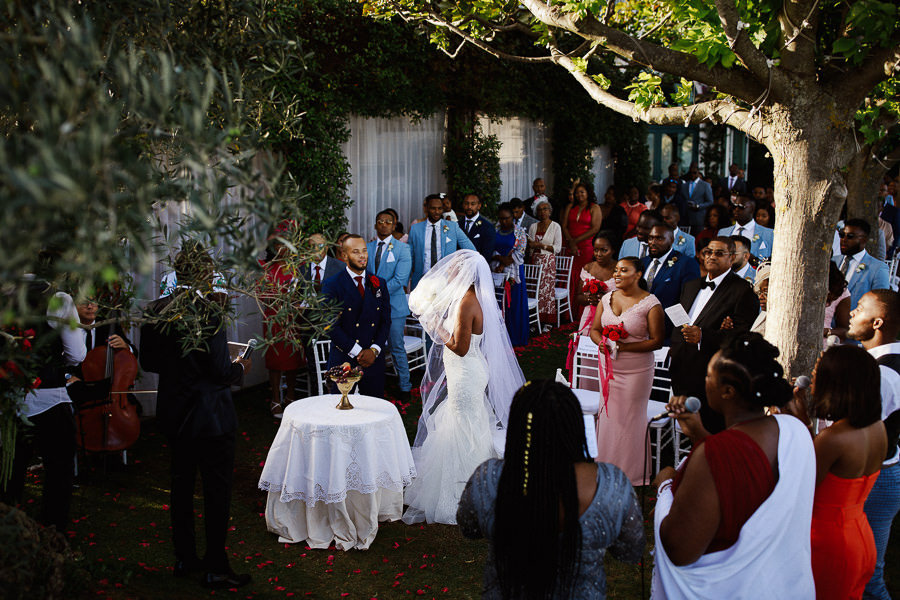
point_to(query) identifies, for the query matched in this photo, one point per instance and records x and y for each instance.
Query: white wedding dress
(461, 440)
(465, 399)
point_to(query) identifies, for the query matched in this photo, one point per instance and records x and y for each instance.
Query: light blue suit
(749, 276)
(632, 247)
(452, 239)
(761, 242)
(394, 268)
(684, 243)
(870, 274)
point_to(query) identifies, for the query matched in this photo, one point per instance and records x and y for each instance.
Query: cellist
(110, 333)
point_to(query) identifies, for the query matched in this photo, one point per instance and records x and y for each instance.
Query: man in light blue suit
(862, 271)
(741, 265)
(389, 258)
(433, 239)
(694, 197)
(761, 238)
(637, 246)
(682, 242)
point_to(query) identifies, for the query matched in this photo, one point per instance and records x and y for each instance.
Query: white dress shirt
(321, 265)
(854, 262)
(356, 349)
(749, 229)
(742, 273)
(431, 229)
(704, 296)
(890, 388)
(466, 223)
(662, 260)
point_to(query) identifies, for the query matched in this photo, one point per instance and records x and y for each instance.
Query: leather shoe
(186, 567)
(217, 581)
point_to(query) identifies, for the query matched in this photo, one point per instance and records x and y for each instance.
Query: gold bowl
(344, 385)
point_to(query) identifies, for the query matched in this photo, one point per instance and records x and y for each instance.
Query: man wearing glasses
(743, 208)
(709, 301)
(322, 266)
(862, 271)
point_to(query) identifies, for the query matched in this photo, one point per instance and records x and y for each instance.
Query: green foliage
(646, 91)
(472, 166)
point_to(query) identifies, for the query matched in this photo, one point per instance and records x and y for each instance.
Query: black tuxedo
(733, 298)
(195, 409)
(739, 187)
(481, 234)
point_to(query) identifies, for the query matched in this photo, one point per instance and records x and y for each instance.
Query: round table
(332, 475)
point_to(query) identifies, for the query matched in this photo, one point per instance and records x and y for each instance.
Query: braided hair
(748, 363)
(545, 439)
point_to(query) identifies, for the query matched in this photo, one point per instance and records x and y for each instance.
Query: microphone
(251, 346)
(832, 340)
(802, 382)
(691, 405)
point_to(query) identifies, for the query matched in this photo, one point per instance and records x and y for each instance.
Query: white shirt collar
(879, 351)
(742, 272)
(353, 275)
(749, 229)
(387, 239)
(718, 280)
(858, 256)
(477, 216)
(661, 259)
(322, 263)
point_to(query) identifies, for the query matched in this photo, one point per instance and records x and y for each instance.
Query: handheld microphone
(802, 382)
(832, 340)
(251, 346)
(691, 405)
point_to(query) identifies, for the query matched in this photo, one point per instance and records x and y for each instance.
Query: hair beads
(527, 448)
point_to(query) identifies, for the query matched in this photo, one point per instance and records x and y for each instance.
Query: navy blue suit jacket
(481, 234)
(364, 320)
(669, 280)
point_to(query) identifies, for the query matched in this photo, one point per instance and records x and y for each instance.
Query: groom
(362, 328)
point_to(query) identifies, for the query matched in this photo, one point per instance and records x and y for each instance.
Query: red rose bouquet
(594, 286)
(614, 333)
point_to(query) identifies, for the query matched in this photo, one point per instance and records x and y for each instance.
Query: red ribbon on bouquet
(612, 333)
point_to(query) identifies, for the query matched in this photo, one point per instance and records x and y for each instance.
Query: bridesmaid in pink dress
(623, 415)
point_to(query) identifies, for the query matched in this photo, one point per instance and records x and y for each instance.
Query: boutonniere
(446, 229)
(680, 241)
(671, 262)
(861, 267)
(374, 281)
(390, 246)
(755, 238)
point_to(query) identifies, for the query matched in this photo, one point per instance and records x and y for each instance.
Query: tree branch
(798, 53)
(715, 111)
(739, 41)
(858, 83)
(737, 82)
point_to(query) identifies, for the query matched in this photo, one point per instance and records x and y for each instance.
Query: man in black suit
(734, 183)
(479, 230)
(708, 302)
(195, 410)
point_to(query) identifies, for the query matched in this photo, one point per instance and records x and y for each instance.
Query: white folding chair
(414, 340)
(532, 286)
(662, 431)
(321, 350)
(562, 285)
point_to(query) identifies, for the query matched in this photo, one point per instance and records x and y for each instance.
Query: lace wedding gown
(459, 442)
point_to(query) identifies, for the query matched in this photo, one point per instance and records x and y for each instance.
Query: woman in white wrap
(469, 383)
(734, 520)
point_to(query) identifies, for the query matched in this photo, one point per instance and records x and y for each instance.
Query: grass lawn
(120, 526)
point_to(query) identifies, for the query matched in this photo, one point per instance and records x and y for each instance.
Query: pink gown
(621, 425)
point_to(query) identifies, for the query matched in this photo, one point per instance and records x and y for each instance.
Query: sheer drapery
(394, 163)
(525, 154)
(602, 170)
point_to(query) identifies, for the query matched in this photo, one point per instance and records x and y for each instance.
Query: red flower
(36, 383)
(614, 336)
(374, 280)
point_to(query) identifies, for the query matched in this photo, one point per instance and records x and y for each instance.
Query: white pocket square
(477, 235)
(762, 246)
(447, 240)
(390, 257)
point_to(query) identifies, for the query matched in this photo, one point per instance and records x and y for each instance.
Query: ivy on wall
(357, 65)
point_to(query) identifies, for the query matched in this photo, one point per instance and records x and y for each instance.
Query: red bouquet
(594, 286)
(615, 332)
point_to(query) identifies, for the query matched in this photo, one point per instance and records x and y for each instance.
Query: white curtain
(602, 170)
(525, 155)
(394, 163)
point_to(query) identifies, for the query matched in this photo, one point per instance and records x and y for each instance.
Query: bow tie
(708, 284)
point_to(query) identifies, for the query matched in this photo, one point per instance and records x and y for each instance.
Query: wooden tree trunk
(810, 190)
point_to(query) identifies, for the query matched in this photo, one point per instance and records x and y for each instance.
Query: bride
(468, 386)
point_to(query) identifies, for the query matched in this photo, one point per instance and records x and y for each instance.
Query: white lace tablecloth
(333, 474)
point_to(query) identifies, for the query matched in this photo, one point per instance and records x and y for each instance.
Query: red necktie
(359, 285)
(318, 274)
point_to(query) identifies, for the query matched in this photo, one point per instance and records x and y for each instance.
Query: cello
(109, 423)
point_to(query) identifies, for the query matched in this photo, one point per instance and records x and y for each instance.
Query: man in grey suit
(520, 217)
(322, 266)
(694, 197)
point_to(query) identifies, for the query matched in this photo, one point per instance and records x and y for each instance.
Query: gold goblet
(345, 384)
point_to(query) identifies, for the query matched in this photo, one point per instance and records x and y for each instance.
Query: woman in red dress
(283, 358)
(580, 220)
(846, 389)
